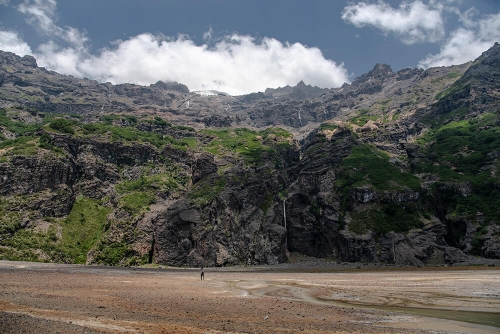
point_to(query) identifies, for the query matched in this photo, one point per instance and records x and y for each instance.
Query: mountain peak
(379, 72)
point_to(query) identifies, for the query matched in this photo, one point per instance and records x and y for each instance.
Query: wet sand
(41, 298)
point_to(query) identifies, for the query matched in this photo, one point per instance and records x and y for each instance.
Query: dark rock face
(242, 225)
(316, 226)
(175, 86)
(204, 165)
(27, 175)
(29, 61)
(491, 247)
(217, 121)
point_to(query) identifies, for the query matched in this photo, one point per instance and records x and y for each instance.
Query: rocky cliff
(397, 167)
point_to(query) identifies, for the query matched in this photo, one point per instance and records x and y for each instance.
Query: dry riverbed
(43, 298)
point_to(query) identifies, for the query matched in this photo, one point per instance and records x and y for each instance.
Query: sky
(245, 46)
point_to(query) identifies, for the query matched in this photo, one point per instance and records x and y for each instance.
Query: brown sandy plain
(52, 298)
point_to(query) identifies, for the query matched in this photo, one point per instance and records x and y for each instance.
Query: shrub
(62, 125)
(112, 253)
(137, 201)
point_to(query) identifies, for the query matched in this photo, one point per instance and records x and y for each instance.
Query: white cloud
(5, 2)
(236, 65)
(466, 44)
(412, 22)
(11, 42)
(41, 14)
(59, 59)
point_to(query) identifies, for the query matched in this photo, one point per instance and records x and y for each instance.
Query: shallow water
(481, 318)
(442, 296)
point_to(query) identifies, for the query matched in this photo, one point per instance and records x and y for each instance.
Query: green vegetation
(328, 126)
(78, 233)
(27, 245)
(20, 144)
(131, 119)
(138, 194)
(24, 135)
(436, 121)
(109, 119)
(183, 128)
(456, 87)
(160, 121)
(82, 228)
(10, 221)
(369, 166)
(112, 253)
(19, 128)
(362, 120)
(62, 125)
(129, 134)
(162, 181)
(137, 202)
(383, 106)
(459, 152)
(206, 190)
(388, 217)
(251, 145)
(451, 75)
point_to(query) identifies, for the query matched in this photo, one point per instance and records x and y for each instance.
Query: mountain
(396, 168)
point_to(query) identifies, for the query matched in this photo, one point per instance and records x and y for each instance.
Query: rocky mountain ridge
(396, 167)
(23, 83)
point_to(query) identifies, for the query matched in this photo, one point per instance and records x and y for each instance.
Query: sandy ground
(50, 298)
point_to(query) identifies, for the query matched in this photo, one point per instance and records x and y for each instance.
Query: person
(202, 274)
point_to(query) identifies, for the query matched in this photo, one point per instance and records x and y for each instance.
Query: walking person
(202, 274)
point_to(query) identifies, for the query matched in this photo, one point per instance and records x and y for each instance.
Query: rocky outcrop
(203, 166)
(24, 175)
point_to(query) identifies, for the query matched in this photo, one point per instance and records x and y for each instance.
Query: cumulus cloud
(11, 42)
(466, 43)
(415, 22)
(412, 22)
(236, 64)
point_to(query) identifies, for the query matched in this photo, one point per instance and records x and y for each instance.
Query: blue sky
(243, 46)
